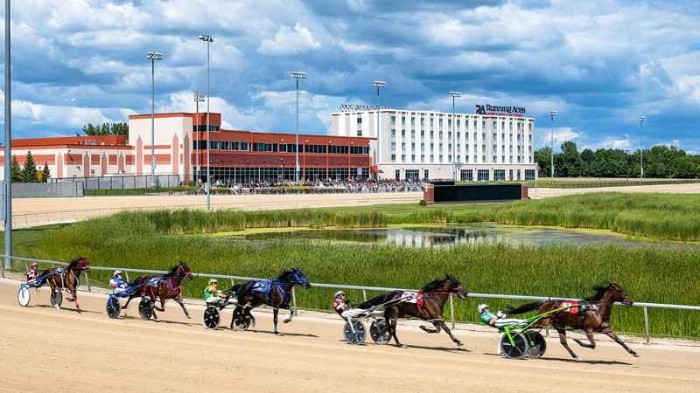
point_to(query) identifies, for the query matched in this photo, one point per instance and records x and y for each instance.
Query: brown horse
(590, 315)
(426, 304)
(162, 288)
(67, 278)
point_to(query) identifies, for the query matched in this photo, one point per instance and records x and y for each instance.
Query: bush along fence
(102, 274)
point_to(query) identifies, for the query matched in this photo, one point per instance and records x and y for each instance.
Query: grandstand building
(495, 144)
(180, 146)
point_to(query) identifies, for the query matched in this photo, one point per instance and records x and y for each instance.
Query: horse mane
(72, 264)
(600, 291)
(173, 270)
(284, 273)
(435, 284)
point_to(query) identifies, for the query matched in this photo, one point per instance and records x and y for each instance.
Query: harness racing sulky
(59, 278)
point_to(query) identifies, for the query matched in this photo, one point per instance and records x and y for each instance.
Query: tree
(45, 174)
(29, 170)
(106, 129)
(16, 171)
(569, 162)
(542, 158)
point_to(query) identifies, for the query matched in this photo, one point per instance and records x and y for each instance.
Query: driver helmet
(339, 294)
(34, 265)
(213, 281)
(117, 273)
(482, 308)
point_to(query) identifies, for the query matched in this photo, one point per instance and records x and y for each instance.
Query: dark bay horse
(426, 304)
(162, 288)
(275, 293)
(67, 278)
(590, 315)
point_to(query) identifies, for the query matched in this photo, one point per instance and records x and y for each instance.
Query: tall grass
(652, 275)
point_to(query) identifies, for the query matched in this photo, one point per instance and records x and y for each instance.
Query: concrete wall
(46, 190)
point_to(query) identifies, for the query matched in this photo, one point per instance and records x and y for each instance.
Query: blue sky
(600, 63)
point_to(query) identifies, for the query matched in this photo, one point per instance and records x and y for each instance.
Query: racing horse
(67, 278)
(426, 304)
(274, 293)
(162, 288)
(590, 315)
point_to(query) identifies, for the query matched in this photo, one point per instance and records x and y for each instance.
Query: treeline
(658, 162)
(29, 172)
(106, 129)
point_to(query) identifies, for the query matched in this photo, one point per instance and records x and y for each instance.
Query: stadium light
(297, 75)
(641, 147)
(454, 94)
(379, 84)
(153, 57)
(8, 143)
(208, 39)
(552, 115)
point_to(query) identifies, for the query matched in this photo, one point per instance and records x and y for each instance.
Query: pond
(453, 235)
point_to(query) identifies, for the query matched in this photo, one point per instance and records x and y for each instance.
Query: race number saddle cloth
(266, 287)
(577, 307)
(414, 298)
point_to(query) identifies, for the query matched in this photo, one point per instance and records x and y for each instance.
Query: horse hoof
(287, 320)
(459, 343)
(635, 354)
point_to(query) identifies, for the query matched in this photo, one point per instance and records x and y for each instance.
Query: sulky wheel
(355, 333)
(211, 317)
(57, 298)
(146, 308)
(536, 344)
(241, 320)
(515, 350)
(379, 332)
(113, 307)
(23, 296)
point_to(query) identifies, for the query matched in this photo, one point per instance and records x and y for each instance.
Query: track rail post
(87, 280)
(364, 295)
(294, 301)
(647, 327)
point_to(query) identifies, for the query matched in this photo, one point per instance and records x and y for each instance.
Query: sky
(601, 64)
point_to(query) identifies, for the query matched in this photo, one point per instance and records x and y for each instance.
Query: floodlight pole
(641, 148)
(297, 75)
(208, 39)
(379, 84)
(454, 94)
(552, 115)
(153, 57)
(8, 143)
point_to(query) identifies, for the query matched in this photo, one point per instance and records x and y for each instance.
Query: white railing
(364, 289)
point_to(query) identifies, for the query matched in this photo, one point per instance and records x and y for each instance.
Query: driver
(340, 303)
(117, 283)
(212, 293)
(497, 320)
(33, 272)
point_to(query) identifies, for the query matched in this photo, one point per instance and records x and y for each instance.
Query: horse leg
(610, 333)
(236, 312)
(291, 315)
(449, 332)
(275, 310)
(562, 340)
(432, 331)
(162, 305)
(591, 345)
(180, 302)
(127, 302)
(390, 316)
(75, 297)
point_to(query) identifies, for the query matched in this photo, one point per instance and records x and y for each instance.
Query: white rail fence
(364, 289)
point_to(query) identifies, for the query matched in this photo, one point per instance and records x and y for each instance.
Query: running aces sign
(500, 110)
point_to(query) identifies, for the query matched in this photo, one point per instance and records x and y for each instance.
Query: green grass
(156, 240)
(592, 183)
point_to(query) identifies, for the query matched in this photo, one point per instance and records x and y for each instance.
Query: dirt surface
(44, 349)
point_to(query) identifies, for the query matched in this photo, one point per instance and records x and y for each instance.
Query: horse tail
(375, 301)
(524, 308)
(235, 289)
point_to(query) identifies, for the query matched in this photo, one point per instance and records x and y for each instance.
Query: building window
(393, 133)
(483, 175)
(359, 121)
(412, 174)
(529, 174)
(499, 175)
(397, 175)
(393, 158)
(426, 174)
(393, 120)
(403, 158)
(466, 175)
(359, 132)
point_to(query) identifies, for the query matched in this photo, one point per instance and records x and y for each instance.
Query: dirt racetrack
(48, 350)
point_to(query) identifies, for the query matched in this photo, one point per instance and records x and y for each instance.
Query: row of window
(449, 135)
(498, 175)
(281, 147)
(518, 159)
(494, 123)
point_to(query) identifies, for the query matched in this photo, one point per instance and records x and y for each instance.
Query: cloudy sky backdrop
(600, 63)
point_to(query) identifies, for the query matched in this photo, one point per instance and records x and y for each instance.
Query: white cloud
(290, 41)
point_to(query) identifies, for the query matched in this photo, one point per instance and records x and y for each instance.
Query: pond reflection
(449, 236)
